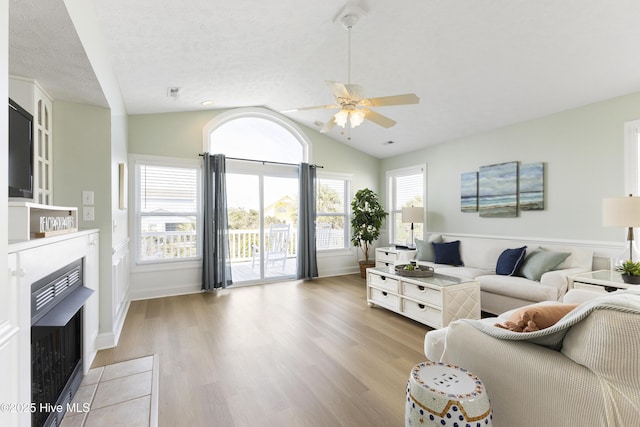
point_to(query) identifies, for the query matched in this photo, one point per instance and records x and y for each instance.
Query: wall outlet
(88, 213)
(87, 197)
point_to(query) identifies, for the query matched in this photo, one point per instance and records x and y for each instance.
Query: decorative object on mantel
(31, 220)
(498, 190)
(623, 212)
(413, 215)
(630, 272)
(366, 222)
(55, 225)
(502, 190)
(412, 270)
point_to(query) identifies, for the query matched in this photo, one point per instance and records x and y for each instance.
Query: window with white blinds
(405, 187)
(167, 212)
(332, 210)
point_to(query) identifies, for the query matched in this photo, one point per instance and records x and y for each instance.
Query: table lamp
(413, 214)
(623, 212)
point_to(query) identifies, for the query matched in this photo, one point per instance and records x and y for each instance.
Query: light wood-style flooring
(294, 353)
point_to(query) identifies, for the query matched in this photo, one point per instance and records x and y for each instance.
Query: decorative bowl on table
(412, 270)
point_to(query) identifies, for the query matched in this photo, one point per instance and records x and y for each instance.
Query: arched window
(256, 134)
(262, 196)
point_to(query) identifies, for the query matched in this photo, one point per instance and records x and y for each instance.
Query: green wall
(583, 153)
(82, 161)
(180, 135)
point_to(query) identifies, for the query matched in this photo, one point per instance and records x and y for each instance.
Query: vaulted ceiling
(476, 65)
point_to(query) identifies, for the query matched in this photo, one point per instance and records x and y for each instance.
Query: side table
(441, 394)
(601, 281)
(388, 256)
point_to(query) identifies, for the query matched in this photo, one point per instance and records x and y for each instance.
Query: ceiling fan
(350, 98)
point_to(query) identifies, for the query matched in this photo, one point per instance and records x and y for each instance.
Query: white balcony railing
(183, 244)
(242, 242)
(168, 245)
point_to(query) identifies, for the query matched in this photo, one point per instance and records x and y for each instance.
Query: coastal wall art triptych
(501, 190)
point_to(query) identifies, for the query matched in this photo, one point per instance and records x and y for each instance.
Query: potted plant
(630, 272)
(366, 222)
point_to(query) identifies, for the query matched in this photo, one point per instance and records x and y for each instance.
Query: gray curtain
(307, 262)
(216, 268)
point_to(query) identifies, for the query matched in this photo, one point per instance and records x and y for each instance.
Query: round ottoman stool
(439, 394)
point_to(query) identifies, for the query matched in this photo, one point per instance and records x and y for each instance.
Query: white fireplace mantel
(32, 260)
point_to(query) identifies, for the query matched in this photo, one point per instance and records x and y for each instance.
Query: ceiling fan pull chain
(349, 58)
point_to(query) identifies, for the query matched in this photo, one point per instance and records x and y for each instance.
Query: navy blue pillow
(510, 260)
(447, 253)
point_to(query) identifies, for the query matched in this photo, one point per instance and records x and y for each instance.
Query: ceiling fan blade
(384, 101)
(356, 92)
(377, 118)
(329, 125)
(339, 90)
(317, 107)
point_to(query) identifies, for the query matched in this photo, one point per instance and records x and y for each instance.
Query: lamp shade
(413, 214)
(621, 212)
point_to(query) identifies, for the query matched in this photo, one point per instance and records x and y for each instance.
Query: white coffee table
(435, 301)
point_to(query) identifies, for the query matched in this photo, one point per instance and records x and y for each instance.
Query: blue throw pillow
(447, 253)
(510, 260)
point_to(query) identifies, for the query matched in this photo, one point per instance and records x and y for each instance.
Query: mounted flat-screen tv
(20, 152)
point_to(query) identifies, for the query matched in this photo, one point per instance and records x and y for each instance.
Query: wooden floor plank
(298, 353)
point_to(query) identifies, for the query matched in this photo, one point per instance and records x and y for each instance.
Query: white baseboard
(110, 339)
(142, 294)
(88, 361)
(342, 272)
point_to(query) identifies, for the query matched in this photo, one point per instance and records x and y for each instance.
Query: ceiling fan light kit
(350, 98)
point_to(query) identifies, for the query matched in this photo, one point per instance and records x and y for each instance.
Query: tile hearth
(124, 393)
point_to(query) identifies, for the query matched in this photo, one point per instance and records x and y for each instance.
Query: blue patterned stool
(446, 395)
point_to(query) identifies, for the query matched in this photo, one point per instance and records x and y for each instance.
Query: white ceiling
(475, 64)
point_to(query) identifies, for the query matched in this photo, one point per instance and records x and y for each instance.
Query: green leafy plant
(366, 221)
(630, 268)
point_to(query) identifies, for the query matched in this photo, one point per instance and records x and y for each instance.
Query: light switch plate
(87, 197)
(88, 213)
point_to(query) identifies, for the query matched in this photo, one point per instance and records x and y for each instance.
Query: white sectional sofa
(590, 377)
(500, 293)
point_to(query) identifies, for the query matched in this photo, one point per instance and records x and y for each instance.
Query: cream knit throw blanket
(625, 300)
(607, 343)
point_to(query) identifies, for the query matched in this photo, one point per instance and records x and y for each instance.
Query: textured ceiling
(44, 46)
(476, 65)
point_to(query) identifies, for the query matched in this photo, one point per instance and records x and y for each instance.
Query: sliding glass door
(262, 203)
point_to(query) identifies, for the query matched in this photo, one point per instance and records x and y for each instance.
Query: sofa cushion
(481, 252)
(510, 260)
(461, 272)
(447, 253)
(540, 261)
(580, 257)
(424, 248)
(517, 287)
